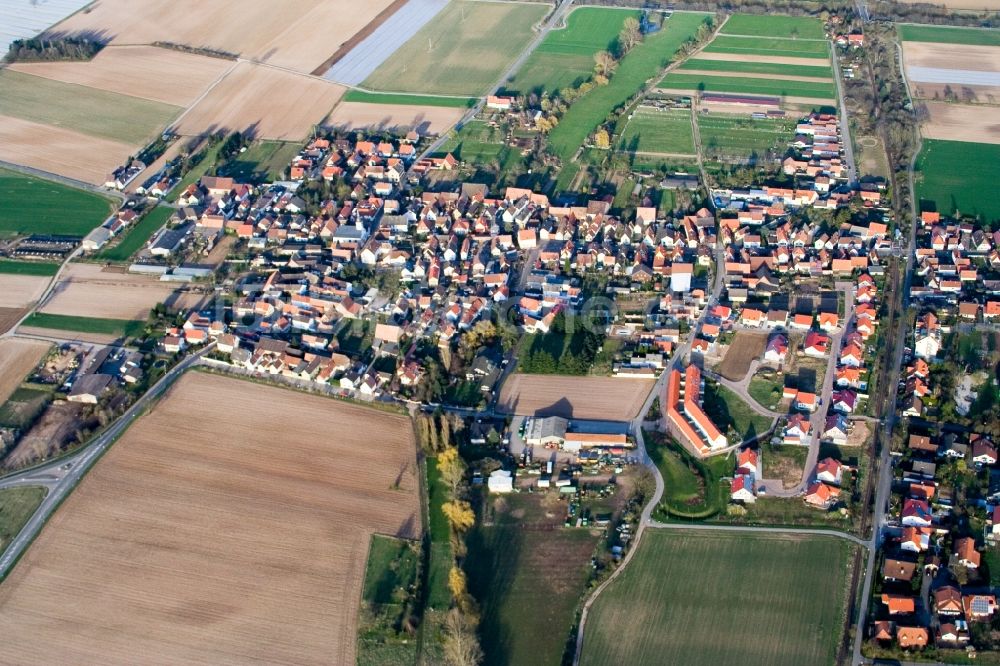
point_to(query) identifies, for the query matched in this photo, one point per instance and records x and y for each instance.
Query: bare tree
(461, 648)
(630, 35)
(604, 63)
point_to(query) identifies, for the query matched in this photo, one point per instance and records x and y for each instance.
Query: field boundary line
(803, 531)
(202, 96)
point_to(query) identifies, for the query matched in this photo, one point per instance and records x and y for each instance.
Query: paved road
(61, 476)
(554, 21)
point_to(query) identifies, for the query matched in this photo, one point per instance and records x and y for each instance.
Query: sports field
(741, 66)
(641, 64)
(462, 51)
(955, 174)
(30, 205)
(769, 46)
(706, 599)
(566, 57)
(760, 25)
(412, 100)
(741, 137)
(93, 112)
(137, 236)
(948, 35)
(659, 131)
(737, 84)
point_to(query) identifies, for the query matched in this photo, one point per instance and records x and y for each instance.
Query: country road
(61, 476)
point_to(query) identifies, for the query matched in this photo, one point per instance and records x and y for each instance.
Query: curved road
(61, 476)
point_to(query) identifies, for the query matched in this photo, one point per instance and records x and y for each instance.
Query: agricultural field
(97, 113)
(739, 138)
(528, 581)
(661, 131)
(609, 398)
(741, 84)
(10, 316)
(102, 330)
(17, 358)
(704, 65)
(265, 102)
(30, 205)
(460, 51)
(16, 506)
(385, 116)
(565, 57)
(746, 346)
(948, 35)
(641, 64)
(773, 47)
(258, 532)
(296, 34)
(61, 151)
(789, 27)
(952, 176)
(971, 123)
(19, 290)
(88, 290)
(684, 590)
(406, 99)
(148, 72)
(35, 268)
(135, 238)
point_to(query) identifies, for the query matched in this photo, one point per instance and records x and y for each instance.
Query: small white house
(501, 481)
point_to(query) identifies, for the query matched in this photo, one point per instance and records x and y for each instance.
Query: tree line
(47, 50)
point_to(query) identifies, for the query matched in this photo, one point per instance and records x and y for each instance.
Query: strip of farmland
(757, 25)
(776, 68)
(774, 46)
(733, 84)
(949, 35)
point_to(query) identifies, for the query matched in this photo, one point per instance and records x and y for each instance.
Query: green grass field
(115, 327)
(23, 407)
(728, 411)
(740, 137)
(641, 64)
(438, 595)
(777, 69)
(16, 507)
(263, 162)
(769, 46)
(767, 25)
(30, 205)
(692, 488)
(390, 576)
(528, 583)
(566, 57)
(37, 268)
(136, 237)
(91, 111)
(766, 389)
(667, 131)
(959, 176)
(391, 568)
(463, 51)
(738, 84)
(415, 100)
(707, 599)
(475, 142)
(948, 35)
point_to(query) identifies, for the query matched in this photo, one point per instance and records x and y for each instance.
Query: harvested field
(149, 72)
(9, 317)
(269, 103)
(97, 113)
(747, 346)
(215, 542)
(973, 5)
(756, 58)
(735, 109)
(425, 119)
(53, 431)
(685, 589)
(60, 151)
(939, 91)
(17, 291)
(960, 122)
(87, 290)
(609, 398)
(17, 358)
(297, 34)
(458, 53)
(951, 56)
(61, 334)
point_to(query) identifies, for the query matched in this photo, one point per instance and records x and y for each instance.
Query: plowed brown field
(271, 103)
(299, 34)
(228, 526)
(604, 398)
(88, 291)
(17, 291)
(60, 151)
(162, 75)
(17, 358)
(961, 122)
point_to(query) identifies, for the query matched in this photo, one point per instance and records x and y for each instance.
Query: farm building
(575, 441)
(550, 430)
